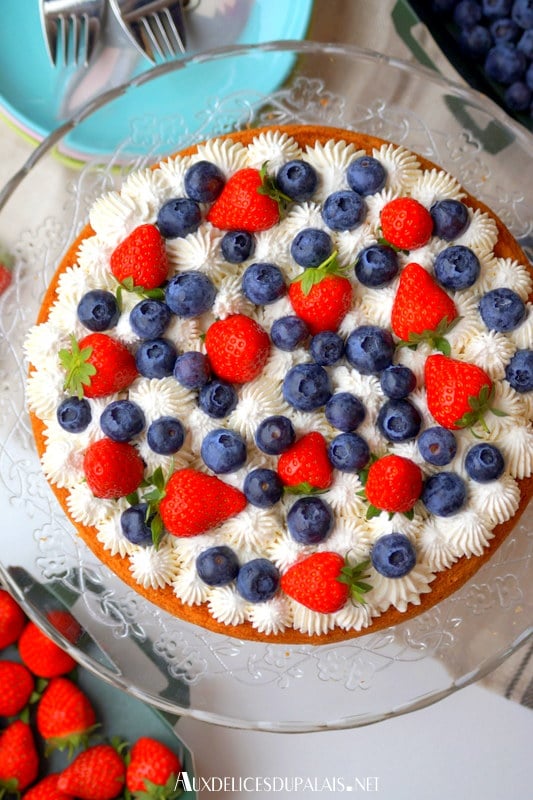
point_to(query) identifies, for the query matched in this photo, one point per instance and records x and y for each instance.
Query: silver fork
(155, 27)
(71, 29)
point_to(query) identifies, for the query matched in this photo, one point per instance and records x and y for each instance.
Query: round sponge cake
(449, 547)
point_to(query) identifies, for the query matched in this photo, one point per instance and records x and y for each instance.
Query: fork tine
(151, 41)
(175, 29)
(73, 39)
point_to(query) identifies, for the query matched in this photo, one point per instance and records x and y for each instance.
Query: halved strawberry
(322, 296)
(194, 502)
(422, 311)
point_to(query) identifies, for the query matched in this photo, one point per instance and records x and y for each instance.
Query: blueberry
(494, 9)
(437, 446)
(397, 381)
(366, 175)
(522, 13)
(178, 217)
(74, 414)
(450, 218)
(263, 283)
(274, 435)
(165, 435)
(217, 398)
(217, 566)
(443, 6)
(149, 318)
(370, 349)
(457, 267)
(309, 520)
(288, 333)
(306, 387)
(297, 179)
(263, 487)
(505, 30)
(505, 64)
(467, 13)
(135, 525)
(192, 369)
(203, 182)
(399, 421)
(518, 96)
(525, 44)
(155, 358)
(345, 411)
(519, 371)
(121, 420)
(484, 462)
(376, 265)
(348, 452)
(98, 310)
(502, 310)
(476, 41)
(529, 77)
(189, 294)
(343, 210)
(311, 247)
(223, 450)
(327, 348)
(237, 246)
(393, 555)
(258, 580)
(444, 494)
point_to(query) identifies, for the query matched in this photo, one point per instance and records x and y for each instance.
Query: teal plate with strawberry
(121, 717)
(37, 97)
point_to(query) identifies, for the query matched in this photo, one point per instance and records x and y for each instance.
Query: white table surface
(475, 744)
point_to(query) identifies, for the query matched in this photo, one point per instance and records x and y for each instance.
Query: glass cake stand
(129, 642)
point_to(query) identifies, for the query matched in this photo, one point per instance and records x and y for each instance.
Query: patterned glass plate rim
(169, 663)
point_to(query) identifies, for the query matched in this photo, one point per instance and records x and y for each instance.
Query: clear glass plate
(171, 664)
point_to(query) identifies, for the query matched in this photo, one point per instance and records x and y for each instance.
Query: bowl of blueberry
(490, 43)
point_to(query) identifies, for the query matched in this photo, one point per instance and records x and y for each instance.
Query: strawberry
(406, 224)
(46, 789)
(65, 717)
(458, 393)
(41, 655)
(112, 469)
(324, 582)
(5, 277)
(152, 770)
(141, 257)
(195, 502)
(65, 623)
(97, 365)
(97, 773)
(237, 347)
(422, 311)
(305, 464)
(322, 296)
(12, 620)
(247, 202)
(19, 760)
(16, 687)
(393, 484)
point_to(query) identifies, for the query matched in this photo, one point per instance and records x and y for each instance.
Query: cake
(281, 384)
